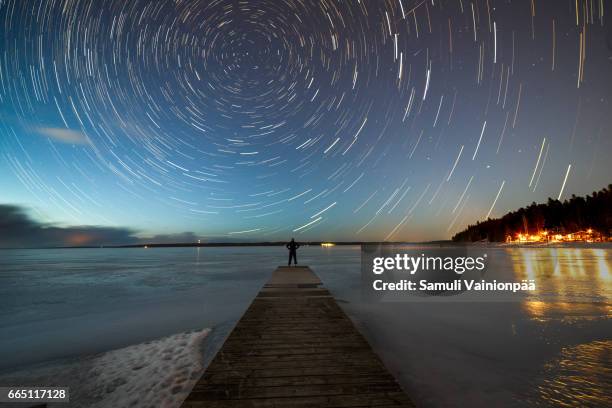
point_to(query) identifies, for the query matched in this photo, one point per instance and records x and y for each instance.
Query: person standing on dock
(292, 247)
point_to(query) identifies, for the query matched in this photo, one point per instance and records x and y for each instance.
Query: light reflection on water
(565, 274)
(580, 377)
(574, 286)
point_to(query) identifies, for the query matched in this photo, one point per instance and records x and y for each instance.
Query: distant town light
(588, 235)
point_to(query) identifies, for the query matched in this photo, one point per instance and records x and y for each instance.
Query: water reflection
(580, 377)
(563, 276)
(574, 286)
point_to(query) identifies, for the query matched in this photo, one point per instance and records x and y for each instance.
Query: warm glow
(80, 239)
(588, 235)
(327, 244)
(556, 271)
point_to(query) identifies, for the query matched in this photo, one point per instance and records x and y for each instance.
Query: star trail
(329, 119)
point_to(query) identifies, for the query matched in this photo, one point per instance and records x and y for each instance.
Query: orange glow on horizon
(588, 235)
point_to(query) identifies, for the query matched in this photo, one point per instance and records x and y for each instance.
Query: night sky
(323, 120)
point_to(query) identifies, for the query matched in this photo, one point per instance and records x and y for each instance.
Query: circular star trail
(355, 120)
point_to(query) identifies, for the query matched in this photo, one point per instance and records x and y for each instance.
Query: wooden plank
(295, 347)
(293, 276)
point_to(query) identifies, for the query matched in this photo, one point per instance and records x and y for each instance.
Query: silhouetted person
(292, 247)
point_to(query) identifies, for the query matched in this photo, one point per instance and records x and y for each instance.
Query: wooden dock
(295, 347)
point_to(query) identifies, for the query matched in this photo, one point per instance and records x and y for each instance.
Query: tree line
(573, 215)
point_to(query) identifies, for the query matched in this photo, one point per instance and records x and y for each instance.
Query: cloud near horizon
(171, 238)
(19, 230)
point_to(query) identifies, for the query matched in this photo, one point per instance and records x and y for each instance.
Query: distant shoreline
(241, 244)
(318, 244)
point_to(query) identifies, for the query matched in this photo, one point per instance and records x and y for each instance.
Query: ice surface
(158, 373)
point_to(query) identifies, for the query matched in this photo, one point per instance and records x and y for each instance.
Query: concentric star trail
(327, 118)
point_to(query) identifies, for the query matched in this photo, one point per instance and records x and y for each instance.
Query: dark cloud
(18, 230)
(182, 237)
